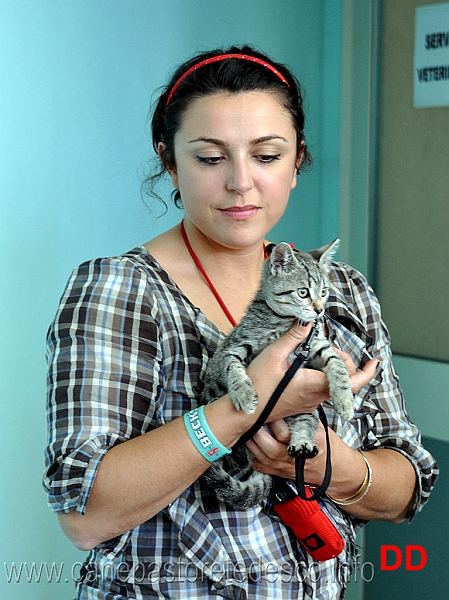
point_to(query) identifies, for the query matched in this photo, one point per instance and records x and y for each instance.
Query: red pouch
(313, 528)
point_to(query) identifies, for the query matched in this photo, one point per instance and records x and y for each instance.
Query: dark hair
(232, 75)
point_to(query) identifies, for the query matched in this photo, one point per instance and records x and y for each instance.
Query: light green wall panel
(358, 132)
(413, 207)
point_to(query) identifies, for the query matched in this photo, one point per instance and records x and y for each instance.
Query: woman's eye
(303, 292)
(209, 160)
(268, 158)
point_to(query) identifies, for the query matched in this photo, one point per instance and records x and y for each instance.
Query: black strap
(300, 464)
(302, 355)
(299, 360)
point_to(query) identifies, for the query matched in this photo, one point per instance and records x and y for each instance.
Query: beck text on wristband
(201, 435)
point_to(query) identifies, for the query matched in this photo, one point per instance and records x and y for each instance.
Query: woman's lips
(240, 213)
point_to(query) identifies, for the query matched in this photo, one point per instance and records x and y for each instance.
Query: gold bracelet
(363, 489)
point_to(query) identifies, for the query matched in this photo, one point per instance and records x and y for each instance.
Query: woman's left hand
(392, 492)
(270, 454)
(270, 449)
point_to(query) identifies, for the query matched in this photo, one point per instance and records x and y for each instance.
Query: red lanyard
(206, 277)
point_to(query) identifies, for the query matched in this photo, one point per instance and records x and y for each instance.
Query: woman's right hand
(307, 389)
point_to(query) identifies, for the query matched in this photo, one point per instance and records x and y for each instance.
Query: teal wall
(76, 79)
(428, 530)
(425, 384)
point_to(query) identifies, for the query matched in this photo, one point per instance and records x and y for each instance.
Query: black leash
(302, 354)
(300, 464)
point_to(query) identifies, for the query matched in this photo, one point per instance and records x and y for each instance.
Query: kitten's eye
(303, 292)
(324, 292)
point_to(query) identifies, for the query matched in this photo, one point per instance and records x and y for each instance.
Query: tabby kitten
(294, 287)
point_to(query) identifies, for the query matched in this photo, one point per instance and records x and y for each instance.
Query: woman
(131, 340)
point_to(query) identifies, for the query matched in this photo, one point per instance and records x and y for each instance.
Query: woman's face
(236, 164)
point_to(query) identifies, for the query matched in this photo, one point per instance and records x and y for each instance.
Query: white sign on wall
(431, 70)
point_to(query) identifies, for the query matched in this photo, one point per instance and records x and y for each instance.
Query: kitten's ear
(281, 259)
(324, 254)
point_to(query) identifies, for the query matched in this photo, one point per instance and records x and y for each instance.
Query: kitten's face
(296, 283)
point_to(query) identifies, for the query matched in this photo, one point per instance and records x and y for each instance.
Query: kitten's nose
(318, 307)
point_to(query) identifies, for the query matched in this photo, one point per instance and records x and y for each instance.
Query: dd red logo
(391, 558)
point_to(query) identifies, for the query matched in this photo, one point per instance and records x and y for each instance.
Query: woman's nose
(240, 178)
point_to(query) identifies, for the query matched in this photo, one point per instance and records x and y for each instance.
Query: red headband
(219, 58)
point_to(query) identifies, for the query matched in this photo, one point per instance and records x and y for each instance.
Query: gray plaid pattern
(127, 353)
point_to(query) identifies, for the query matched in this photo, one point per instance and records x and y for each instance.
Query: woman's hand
(269, 448)
(308, 388)
(306, 391)
(393, 482)
(270, 454)
(390, 496)
(303, 394)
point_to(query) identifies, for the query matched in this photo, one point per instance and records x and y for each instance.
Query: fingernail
(302, 327)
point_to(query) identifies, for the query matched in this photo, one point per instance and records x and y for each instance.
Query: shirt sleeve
(383, 421)
(389, 426)
(104, 378)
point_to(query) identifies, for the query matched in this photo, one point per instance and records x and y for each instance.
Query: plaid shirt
(127, 352)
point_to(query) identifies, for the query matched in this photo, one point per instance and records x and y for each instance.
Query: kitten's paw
(347, 414)
(244, 398)
(345, 406)
(303, 450)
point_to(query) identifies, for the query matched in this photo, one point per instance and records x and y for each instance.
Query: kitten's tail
(241, 494)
